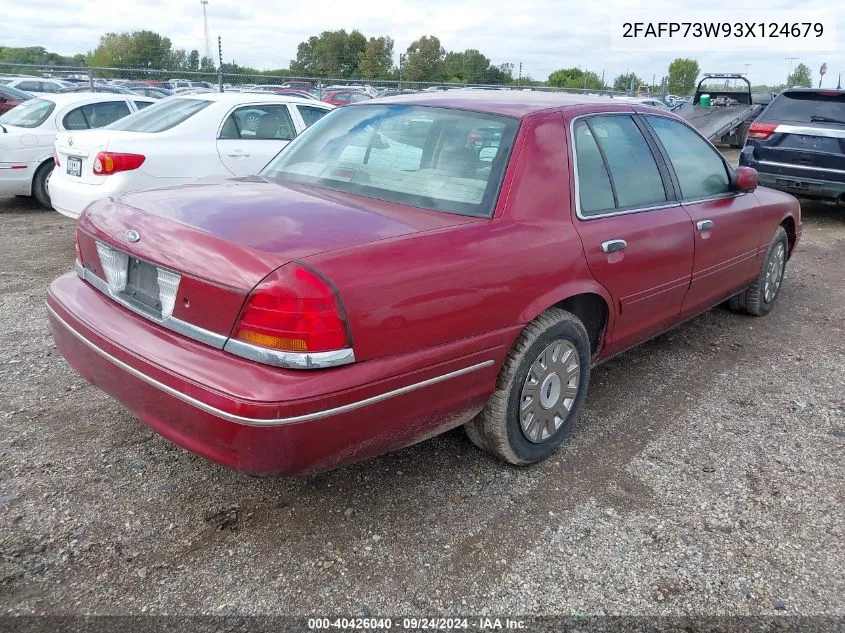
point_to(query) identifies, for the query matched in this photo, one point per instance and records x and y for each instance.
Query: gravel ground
(705, 477)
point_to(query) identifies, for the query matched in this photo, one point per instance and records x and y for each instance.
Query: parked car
(27, 134)
(11, 97)
(289, 92)
(370, 290)
(344, 97)
(653, 102)
(177, 140)
(39, 86)
(798, 144)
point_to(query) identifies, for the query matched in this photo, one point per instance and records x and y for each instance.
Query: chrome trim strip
(230, 417)
(291, 360)
(808, 130)
(807, 167)
(175, 325)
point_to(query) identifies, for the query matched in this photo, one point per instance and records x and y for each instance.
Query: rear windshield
(11, 92)
(433, 158)
(806, 107)
(31, 113)
(160, 116)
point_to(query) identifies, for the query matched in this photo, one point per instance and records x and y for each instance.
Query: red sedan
(11, 97)
(345, 97)
(410, 265)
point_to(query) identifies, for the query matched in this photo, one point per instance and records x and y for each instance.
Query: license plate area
(142, 289)
(74, 166)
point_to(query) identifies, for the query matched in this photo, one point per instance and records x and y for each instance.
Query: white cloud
(543, 34)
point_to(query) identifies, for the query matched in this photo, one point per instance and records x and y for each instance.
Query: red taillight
(56, 157)
(294, 310)
(761, 131)
(112, 162)
(78, 250)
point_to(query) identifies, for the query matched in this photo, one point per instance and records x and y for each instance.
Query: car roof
(66, 98)
(516, 103)
(243, 97)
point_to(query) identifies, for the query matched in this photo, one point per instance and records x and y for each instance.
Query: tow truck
(731, 111)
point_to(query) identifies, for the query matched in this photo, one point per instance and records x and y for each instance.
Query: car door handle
(612, 246)
(238, 154)
(704, 225)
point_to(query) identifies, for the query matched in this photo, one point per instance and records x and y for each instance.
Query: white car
(177, 140)
(38, 86)
(28, 132)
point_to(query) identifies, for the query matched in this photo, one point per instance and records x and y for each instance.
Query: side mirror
(745, 179)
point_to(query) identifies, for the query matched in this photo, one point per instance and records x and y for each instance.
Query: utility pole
(220, 58)
(401, 61)
(602, 79)
(519, 77)
(790, 60)
(204, 4)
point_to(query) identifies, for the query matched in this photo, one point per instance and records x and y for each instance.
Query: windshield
(13, 93)
(159, 117)
(434, 158)
(806, 107)
(31, 113)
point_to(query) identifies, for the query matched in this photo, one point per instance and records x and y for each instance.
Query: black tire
(39, 184)
(497, 429)
(753, 299)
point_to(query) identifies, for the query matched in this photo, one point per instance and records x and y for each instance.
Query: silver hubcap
(549, 391)
(774, 273)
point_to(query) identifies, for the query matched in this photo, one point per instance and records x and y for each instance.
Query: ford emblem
(132, 236)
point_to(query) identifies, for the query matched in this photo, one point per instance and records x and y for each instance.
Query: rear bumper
(258, 419)
(800, 181)
(70, 198)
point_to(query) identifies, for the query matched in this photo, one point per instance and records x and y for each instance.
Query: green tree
(194, 60)
(206, 65)
(575, 78)
(682, 75)
(376, 60)
(626, 82)
(306, 61)
(139, 49)
(424, 60)
(800, 77)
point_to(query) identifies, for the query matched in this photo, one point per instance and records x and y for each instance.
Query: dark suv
(797, 144)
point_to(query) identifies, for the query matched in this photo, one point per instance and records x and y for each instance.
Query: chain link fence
(184, 80)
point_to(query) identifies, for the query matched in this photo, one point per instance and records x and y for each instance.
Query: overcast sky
(543, 34)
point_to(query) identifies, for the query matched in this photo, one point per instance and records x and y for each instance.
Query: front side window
(31, 113)
(700, 170)
(416, 155)
(160, 116)
(265, 122)
(627, 162)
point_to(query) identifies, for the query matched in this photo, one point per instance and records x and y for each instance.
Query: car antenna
(5, 131)
(839, 83)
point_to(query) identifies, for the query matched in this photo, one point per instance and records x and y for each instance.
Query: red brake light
(829, 93)
(294, 310)
(761, 131)
(112, 162)
(78, 250)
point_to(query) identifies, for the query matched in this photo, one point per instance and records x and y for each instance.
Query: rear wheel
(39, 184)
(759, 298)
(539, 391)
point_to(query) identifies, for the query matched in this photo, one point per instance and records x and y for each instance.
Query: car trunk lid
(223, 238)
(77, 151)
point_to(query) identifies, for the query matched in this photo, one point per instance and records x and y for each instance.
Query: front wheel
(539, 391)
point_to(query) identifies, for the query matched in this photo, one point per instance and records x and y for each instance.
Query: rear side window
(628, 161)
(310, 114)
(594, 190)
(700, 170)
(142, 104)
(31, 86)
(160, 116)
(806, 107)
(264, 122)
